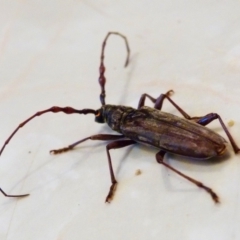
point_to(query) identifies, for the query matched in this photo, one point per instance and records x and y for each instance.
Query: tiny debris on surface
(230, 123)
(138, 172)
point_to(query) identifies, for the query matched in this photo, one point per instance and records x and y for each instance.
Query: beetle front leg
(102, 137)
(114, 145)
(160, 156)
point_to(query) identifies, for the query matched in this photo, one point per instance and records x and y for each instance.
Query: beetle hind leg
(213, 116)
(160, 156)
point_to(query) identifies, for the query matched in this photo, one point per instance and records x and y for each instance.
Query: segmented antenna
(102, 79)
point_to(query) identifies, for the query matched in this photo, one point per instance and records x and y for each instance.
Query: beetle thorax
(113, 115)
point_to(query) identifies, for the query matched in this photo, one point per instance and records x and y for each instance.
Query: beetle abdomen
(171, 133)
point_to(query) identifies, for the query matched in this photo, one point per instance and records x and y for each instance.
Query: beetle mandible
(186, 136)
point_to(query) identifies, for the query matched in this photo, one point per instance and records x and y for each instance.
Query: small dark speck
(29, 151)
(138, 172)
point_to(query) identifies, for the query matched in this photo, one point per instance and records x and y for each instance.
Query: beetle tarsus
(61, 150)
(111, 192)
(169, 93)
(215, 197)
(210, 191)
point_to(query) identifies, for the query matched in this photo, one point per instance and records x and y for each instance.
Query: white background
(50, 54)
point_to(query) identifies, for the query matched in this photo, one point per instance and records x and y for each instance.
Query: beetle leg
(158, 102)
(160, 156)
(114, 145)
(103, 137)
(213, 116)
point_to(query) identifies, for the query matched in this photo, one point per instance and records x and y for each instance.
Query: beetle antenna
(67, 110)
(102, 79)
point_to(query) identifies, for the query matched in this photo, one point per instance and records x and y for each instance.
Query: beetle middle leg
(160, 156)
(112, 145)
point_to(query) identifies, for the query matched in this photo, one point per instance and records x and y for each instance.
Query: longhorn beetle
(186, 136)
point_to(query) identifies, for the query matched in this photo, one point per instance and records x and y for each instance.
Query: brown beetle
(186, 136)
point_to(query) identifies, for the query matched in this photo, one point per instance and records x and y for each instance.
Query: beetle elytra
(186, 136)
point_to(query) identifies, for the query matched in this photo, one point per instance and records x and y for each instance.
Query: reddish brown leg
(114, 145)
(158, 102)
(103, 137)
(102, 79)
(160, 156)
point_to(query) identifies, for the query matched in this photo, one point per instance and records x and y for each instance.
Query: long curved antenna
(102, 79)
(67, 110)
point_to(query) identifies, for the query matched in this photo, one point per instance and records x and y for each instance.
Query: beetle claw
(169, 93)
(111, 192)
(213, 194)
(215, 197)
(61, 150)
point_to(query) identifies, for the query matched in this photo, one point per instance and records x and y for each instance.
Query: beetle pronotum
(186, 136)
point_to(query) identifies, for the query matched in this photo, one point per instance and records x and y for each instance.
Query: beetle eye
(99, 117)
